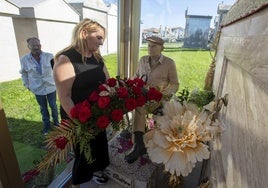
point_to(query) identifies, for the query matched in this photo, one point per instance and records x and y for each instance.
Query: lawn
(192, 65)
(23, 115)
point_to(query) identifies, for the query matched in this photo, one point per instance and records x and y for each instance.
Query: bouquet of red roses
(105, 106)
(111, 101)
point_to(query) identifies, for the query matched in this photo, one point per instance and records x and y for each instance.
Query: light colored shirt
(38, 78)
(162, 75)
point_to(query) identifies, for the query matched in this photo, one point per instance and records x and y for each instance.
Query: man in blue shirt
(36, 74)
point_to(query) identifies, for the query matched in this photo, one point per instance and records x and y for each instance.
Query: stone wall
(238, 157)
(242, 8)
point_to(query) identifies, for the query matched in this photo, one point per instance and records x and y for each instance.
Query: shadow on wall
(248, 167)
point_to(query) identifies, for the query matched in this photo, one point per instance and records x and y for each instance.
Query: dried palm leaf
(59, 143)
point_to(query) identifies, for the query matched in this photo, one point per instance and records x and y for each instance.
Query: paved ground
(159, 180)
(190, 181)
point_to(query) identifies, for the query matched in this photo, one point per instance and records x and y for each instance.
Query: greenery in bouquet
(196, 96)
(104, 107)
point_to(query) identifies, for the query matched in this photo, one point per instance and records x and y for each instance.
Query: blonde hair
(77, 39)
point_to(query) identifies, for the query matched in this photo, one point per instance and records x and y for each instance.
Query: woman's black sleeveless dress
(88, 76)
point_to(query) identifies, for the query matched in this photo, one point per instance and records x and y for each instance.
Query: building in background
(52, 21)
(221, 11)
(45, 20)
(105, 14)
(10, 62)
(197, 29)
(149, 32)
(173, 34)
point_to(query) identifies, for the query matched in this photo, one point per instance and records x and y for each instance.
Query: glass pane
(20, 106)
(167, 19)
(184, 25)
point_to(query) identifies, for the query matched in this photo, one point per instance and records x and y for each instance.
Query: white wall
(54, 36)
(9, 64)
(51, 10)
(8, 8)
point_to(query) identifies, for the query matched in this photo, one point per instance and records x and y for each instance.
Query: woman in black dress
(79, 69)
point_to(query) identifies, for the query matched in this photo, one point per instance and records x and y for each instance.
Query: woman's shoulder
(72, 54)
(70, 51)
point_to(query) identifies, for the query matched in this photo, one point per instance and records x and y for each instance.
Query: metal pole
(129, 33)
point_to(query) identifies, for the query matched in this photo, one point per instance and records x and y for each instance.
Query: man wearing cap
(157, 71)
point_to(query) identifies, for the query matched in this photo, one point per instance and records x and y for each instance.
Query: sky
(171, 13)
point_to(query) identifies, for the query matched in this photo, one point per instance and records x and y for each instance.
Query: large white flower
(178, 141)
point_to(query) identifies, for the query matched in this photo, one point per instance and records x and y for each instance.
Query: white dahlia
(178, 141)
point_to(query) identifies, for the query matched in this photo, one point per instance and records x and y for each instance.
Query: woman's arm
(64, 76)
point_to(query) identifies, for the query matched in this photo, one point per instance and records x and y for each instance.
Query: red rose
(27, 178)
(30, 175)
(85, 104)
(102, 88)
(103, 122)
(111, 82)
(103, 102)
(94, 96)
(84, 114)
(117, 115)
(122, 92)
(141, 100)
(139, 82)
(154, 94)
(130, 104)
(61, 142)
(136, 90)
(158, 95)
(75, 111)
(130, 82)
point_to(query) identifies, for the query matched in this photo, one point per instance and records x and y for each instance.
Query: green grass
(192, 65)
(24, 152)
(111, 63)
(22, 110)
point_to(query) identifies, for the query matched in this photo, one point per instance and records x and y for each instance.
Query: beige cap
(156, 40)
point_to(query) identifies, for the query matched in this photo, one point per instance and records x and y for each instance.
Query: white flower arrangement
(180, 136)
